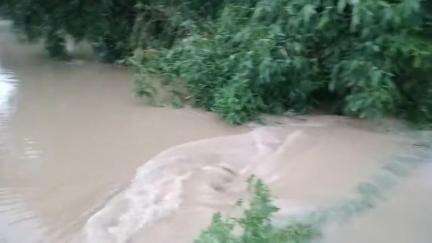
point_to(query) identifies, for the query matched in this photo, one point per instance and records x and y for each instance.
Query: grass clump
(255, 225)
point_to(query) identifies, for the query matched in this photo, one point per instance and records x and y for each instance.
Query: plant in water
(255, 225)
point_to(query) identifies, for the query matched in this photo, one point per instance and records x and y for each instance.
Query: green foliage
(106, 24)
(255, 225)
(236, 103)
(219, 231)
(114, 27)
(365, 58)
(55, 44)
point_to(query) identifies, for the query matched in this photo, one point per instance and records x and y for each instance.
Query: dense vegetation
(106, 24)
(255, 225)
(366, 58)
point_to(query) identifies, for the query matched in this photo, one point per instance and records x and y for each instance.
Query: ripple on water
(15, 218)
(16, 221)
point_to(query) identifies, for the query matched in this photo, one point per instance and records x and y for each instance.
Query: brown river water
(82, 160)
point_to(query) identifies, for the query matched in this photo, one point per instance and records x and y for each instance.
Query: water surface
(82, 160)
(71, 135)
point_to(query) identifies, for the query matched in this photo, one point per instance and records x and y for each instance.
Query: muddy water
(72, 135)
(405, 216)
(82, 161)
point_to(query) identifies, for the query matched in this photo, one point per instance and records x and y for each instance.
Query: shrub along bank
(365, 58)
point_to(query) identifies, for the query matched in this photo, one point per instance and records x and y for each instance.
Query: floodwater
(81, 160)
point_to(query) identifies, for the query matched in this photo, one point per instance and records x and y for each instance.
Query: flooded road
(81, 160)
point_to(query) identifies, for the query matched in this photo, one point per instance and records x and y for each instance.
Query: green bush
(255, 225)
(236, 103)
(365, 58)
(107, 25)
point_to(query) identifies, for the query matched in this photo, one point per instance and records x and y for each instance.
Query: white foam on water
(157, 189)
(211, 174)
(152, 195)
